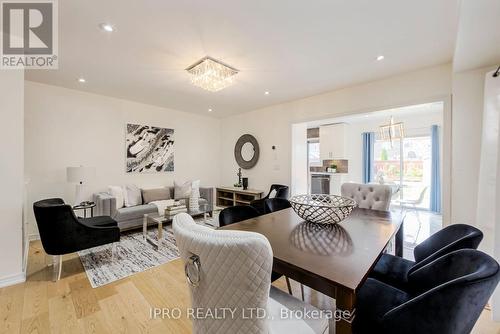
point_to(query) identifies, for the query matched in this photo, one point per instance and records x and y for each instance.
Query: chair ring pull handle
(193, 262)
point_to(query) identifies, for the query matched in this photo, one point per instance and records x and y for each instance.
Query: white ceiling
(478, 38)
(426, 110)
(292, 49)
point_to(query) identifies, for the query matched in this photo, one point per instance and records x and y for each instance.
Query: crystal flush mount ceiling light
(211, 74)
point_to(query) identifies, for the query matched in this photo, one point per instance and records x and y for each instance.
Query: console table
(231, 196)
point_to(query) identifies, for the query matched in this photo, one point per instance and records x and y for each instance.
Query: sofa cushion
(134, 212)
(117, 192)
(132, 195)
(182, 190)
(158, 194)
(194, 198)
(201, 202)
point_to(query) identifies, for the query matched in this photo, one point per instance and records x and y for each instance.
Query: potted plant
(332, 168)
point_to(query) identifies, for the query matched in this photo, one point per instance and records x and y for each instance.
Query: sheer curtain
(435, 197)
(368, 148)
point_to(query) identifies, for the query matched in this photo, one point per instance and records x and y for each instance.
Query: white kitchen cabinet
(332, 141)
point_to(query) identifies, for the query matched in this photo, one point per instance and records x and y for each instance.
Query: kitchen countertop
(326, 173)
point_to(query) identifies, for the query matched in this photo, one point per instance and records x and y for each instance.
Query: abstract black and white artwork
(149, 149)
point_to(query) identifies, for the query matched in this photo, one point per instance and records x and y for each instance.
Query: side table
(85, 207)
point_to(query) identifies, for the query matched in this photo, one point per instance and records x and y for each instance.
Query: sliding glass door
(406, 164)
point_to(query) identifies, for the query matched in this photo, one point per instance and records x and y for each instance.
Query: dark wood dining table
(332, 259)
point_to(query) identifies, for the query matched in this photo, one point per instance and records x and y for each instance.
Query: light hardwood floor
(71, 305)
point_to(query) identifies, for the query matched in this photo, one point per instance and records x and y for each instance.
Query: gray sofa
(132, 217)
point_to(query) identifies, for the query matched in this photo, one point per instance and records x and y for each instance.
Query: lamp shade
(79, 174)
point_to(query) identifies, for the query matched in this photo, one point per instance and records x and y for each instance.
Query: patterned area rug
(133, 255)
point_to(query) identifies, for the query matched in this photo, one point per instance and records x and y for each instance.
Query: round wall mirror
(246, 151)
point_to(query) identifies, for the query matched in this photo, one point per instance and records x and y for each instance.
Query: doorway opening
(411, 164)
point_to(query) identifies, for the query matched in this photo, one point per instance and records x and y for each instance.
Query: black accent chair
(276, 204)
(394, 270)
(260, 204)
(61, 232)
(447, 296)
(237, 213)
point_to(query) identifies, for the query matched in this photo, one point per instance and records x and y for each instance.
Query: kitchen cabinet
(332, 141)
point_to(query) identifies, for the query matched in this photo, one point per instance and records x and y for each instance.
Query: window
(416, 166)
(313, 154)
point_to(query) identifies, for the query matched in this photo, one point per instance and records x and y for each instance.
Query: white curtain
(488, 206)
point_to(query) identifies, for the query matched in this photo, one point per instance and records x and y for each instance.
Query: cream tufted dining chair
(368, 196)
(232, 270)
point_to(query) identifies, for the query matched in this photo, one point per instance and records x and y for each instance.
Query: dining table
(333, 259)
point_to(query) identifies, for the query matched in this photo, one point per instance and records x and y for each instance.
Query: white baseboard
(32, 237)
(12, 279)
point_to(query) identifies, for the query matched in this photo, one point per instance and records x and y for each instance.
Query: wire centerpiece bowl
(322, 208)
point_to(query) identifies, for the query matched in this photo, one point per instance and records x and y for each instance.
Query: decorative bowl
(322, 209)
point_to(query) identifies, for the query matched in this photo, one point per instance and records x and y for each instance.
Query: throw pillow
(132, 195)
(151, 195)
(182, 190)
(117, 192)
(194, 198)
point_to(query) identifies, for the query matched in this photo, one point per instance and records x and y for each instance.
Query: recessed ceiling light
(379, 58)
(107, 27)
(82, 80)
(210, 110)
(266, 93)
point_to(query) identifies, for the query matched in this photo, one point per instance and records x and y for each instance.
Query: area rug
(133, 255)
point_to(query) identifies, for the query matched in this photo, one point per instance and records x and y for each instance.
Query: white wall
(488, 203)
(11, 176)
(487, 163)
(272, 125)
(300, 168)
(65, 127)
(468, 102)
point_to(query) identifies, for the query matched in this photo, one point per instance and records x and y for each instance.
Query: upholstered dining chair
(232, 270)
(404, 203)
(368, 196)
(447, 296)
(276, 191)
(394, 270)
(237, 213)
(276, 204)
(61, 232)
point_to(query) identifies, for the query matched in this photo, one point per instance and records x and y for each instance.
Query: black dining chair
(237, 213)
(61, 232)
(281, 191)
(276, 204)
(394, 270)
(447, 296)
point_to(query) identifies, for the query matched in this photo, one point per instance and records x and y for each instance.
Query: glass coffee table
(159, 220)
